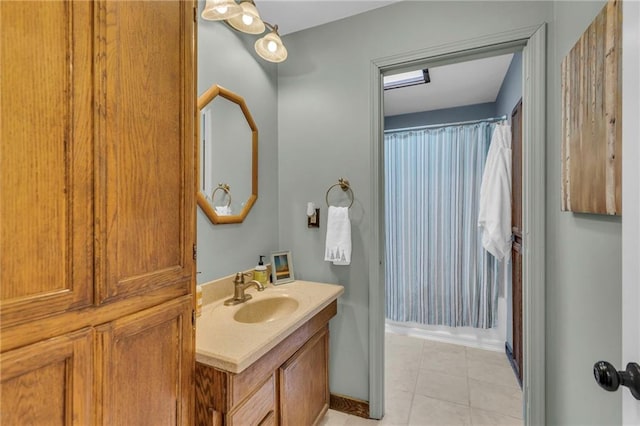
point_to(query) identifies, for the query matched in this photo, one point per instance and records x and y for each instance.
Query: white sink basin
(265, 310)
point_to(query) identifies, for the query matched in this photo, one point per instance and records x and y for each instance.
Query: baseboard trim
(346, 404)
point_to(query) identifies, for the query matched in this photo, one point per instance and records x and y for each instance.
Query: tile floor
(432, 383)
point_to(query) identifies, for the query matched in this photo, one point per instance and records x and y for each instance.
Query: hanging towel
(223, 210)
(338, 242)
(494, 217)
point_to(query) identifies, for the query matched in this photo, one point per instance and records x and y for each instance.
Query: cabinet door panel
(304, 383)
(46, 214)
(147, 363)
(49, 383)
(146, 168)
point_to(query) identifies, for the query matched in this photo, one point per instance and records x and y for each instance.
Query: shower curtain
(437, 272)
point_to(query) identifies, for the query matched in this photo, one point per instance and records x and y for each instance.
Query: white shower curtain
(437, 272)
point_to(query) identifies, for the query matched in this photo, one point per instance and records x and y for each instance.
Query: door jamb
(533, 177)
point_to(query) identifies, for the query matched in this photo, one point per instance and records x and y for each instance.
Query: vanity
(264, 361)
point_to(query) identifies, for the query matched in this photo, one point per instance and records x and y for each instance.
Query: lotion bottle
(260, 272)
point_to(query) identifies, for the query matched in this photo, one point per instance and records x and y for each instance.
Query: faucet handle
(239, 279)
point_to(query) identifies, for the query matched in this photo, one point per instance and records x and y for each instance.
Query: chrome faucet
(239, 287)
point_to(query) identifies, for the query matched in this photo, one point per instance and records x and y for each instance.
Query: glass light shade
(248, 21)
(218, 10)
(270, 48)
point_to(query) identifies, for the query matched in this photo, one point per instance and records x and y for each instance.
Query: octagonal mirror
(227, 156)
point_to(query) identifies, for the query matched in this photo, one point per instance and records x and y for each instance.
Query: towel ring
(225, 187)
(344, 185)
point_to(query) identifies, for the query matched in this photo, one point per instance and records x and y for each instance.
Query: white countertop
(224, 343)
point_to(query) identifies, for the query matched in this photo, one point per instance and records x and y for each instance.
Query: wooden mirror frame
(207, 208)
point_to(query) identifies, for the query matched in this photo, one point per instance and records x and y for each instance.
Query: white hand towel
(338, 242)
(223, 210)
(494, 217)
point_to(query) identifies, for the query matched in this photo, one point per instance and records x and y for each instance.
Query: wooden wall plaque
(591, 84)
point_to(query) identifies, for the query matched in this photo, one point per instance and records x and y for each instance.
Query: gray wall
(441, 116)
(227, 58)
(324, 133)
(583, 267)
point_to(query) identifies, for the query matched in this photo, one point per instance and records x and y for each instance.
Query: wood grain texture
(145, 361)
(132, 360)
(147, 150)
(591, 90)
(258, 409)
(346, 404)
(304, 383)
(49, 382)
(46, 159)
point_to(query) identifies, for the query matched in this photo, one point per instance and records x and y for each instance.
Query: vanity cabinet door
(145, 364)
(304, 383)
(49, 382)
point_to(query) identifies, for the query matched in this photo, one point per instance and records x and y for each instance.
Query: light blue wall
(226, 57)
(583, 267)
(511, 89)
(441, 116)
(324, 130)
(323, 126)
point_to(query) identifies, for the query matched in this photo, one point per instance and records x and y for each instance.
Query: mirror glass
(227, 156)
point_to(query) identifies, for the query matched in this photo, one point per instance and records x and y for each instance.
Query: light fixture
(218, 10)
(270, 47)
(244, 17)
(406, 79)
(249, 20)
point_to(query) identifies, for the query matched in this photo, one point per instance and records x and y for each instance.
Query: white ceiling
(464, 83)
(454, 85)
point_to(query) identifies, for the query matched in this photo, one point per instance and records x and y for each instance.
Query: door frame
(630, 200)
(533, 42)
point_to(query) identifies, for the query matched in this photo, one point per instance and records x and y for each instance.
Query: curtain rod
(435, 126)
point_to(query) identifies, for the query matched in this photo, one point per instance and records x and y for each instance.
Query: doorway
(448, 296)
(532, 41)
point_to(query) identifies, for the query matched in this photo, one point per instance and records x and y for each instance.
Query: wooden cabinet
(97, 211)
(304, 383)
(49, 382)
(294, 375)
(259, 409)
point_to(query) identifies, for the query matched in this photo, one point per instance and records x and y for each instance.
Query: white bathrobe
(495, 195)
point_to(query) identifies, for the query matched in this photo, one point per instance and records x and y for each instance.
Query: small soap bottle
(260, 272)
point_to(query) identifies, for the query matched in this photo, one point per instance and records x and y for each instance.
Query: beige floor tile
(359, 421)
(500, 374)
(393, 340)
(500, 399)
(397, 406)
(443, 386)
(400, 379)
(474, 354)
(435, 346)
(334, 418)
(399, 358)
(429, 411)
(453, 363)
(487, 418)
